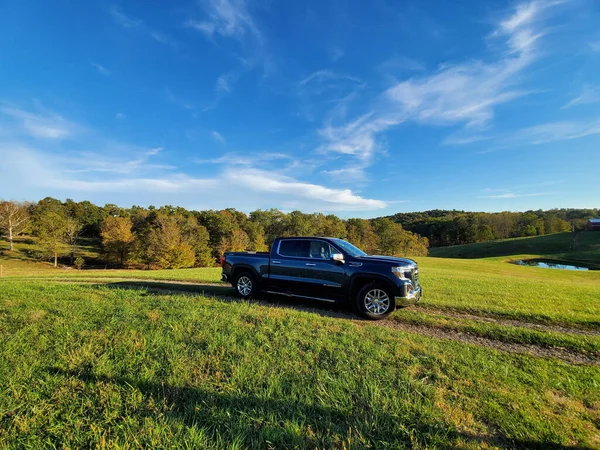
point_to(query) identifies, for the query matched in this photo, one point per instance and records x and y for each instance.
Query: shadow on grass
(226, 293)
(268, 422)
(288, 423)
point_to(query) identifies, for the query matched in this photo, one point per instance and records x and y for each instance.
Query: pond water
(549, 264)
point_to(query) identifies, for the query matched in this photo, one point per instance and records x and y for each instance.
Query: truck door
(304, 267)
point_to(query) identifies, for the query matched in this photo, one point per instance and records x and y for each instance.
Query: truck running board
(287, 294)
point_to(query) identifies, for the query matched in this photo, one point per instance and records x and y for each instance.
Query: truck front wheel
(374, 302)
(245, 285)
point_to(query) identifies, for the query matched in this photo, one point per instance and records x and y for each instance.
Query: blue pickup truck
(327, 269)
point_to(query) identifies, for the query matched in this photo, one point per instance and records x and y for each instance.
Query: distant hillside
(583, 246)
(444, 227)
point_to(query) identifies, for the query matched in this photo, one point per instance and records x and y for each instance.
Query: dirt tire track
(512, 322)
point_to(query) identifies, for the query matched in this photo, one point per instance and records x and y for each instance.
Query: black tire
(245, 285)
(375, 301)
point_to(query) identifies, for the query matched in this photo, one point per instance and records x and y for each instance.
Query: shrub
(79, 262)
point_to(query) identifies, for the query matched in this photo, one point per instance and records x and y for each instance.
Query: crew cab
(327, 269)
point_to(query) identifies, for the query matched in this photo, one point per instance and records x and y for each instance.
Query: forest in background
(174, 237)
(443, 227)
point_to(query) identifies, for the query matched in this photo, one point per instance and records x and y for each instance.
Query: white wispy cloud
(41, 124)
(594, 45)
(245, 159)
(100, 68)
(261, 188)
(217, 137)
(227, 18)
(335, 199)
(588, 95)
(509, 195)
(324, 75)
(232, 19)
(336, 53)
(120, 116)
(178, 100)
(399, 63)
(128, 22)
(464, 93)
(555, 131)
(225, 82)
(95, 165)
(347, 175)
(462, 139)
(122, 19)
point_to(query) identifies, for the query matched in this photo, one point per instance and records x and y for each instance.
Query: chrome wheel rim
(244, 285)
(377, 301)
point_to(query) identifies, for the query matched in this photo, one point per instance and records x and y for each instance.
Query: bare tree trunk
(10, 238)
(55, 259)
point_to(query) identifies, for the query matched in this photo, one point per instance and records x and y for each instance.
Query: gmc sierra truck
(327, 269)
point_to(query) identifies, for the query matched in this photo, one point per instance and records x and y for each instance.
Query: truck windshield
(349, 248)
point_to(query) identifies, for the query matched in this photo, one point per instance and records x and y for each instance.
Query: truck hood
(389, 259)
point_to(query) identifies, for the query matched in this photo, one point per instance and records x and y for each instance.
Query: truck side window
(320, 249)
(295, 248)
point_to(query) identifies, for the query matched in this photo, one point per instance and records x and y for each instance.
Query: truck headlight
(401, 271)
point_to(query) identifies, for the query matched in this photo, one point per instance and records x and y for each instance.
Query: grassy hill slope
(583, 247)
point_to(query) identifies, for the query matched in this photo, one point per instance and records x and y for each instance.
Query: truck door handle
(310, 264)
(275, 262)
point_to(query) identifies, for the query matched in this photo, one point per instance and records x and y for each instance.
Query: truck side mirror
(337, 257)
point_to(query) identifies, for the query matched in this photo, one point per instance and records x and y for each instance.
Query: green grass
(88, 361)
(497, 289)
(26, 248)
(94, 366)
(30, 269)
(554, 246)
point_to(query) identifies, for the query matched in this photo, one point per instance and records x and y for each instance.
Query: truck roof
(308, 237)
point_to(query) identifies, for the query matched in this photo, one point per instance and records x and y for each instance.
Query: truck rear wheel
(245, 285)
(374, 302)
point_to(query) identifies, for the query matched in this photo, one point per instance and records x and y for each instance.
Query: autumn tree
(117, 237)
(167, 246)
(52, 227)
(14, 219)
(360, 233)
(198, 238)
(256, 234)
(395, 241)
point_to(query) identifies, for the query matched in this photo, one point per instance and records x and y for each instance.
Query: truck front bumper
(410, 296)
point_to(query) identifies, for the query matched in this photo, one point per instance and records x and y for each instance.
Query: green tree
(52, 226)
(484, 233)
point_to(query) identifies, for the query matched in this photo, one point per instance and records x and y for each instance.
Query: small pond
(548, 264)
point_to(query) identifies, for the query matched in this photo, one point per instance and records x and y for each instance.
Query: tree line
(174, 237)
(443, 227)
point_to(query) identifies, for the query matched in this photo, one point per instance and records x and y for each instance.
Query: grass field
(496, 355)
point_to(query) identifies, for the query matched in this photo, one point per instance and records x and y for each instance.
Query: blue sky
(356, 108)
